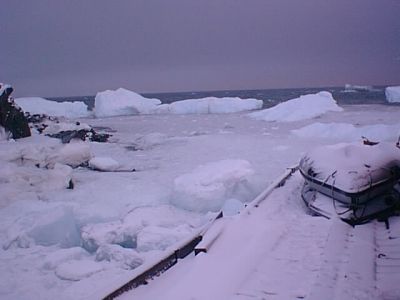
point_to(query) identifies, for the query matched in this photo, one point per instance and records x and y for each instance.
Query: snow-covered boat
(358, 182)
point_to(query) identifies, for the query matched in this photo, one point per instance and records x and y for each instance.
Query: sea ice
(302, 108)
(208, 186)
(392, 94)
(37, 105)
(348, 132)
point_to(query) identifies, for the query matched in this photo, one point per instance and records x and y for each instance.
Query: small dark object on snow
(83, 134)
(12, 117)
(367, 142)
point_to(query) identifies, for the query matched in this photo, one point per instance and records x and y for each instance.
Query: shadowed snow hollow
(209, 186)
(302, 108)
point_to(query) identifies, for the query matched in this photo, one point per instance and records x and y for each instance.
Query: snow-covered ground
(58, 242)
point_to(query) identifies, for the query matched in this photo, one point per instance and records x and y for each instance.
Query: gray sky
(79, 47)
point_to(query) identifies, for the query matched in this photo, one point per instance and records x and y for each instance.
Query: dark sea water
(271, 97)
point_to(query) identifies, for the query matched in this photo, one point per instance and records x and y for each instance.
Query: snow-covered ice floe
(348, 132)
(37, 105)
(124, 102)
(305, 107)
(392, 94)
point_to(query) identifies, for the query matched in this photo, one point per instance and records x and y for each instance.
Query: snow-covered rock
(37, 105)
(302, 108)
(73, 154)
(211, 105)
(348, 132)
(392, 94)
(122, 102)
(208, 186)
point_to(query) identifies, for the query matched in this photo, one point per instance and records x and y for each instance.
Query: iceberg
(122, 102)
(302, 108)
(392, 94)
(37, 105)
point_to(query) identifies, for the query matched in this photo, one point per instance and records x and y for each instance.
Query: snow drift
(305, 107)
(37, 105)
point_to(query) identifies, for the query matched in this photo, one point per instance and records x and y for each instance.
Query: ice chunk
(104, 164)
(76, 270)
(208, 186)
(304, 107)
(232, 207)
(124, 232)
(392, 94)
(46, 227)
(36, 105)
(56, 228)
(95, 235)
(160, 238)
(60, 256)
(122, 102)
(351, 87)
(125, 258)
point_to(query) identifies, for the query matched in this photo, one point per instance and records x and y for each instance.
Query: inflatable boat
(356, 182)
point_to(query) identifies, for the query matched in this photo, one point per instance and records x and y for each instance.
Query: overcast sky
(79, 47)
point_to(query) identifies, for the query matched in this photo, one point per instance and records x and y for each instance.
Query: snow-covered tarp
(351, 166)
(392, 94)
(37, 105)
(305, 107)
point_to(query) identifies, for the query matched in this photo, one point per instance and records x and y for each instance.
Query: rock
(12, 118)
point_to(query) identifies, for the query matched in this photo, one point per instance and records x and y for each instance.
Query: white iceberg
(392, 94)
(211, 105)
(37, 105)
(122, 102)
(302, 108)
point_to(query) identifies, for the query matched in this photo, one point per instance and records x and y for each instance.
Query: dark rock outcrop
(12, 117)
